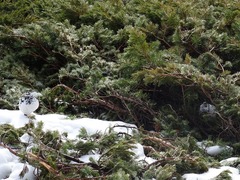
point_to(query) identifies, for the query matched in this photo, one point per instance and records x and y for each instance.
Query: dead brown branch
(160, 141)
(41, 161)
(100, 102)
(149, 149)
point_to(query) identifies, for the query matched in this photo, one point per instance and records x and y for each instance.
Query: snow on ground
(11, 167)
(212, 173)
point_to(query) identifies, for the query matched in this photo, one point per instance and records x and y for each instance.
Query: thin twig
(161, 141)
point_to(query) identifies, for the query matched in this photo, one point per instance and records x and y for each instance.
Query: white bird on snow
(28, 103)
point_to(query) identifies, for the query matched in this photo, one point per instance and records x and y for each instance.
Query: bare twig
(160, 141)
(149, 149)
(41, 161)
(100, 102)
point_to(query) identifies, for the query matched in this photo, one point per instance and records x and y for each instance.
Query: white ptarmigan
(208, 109)
(28, 103)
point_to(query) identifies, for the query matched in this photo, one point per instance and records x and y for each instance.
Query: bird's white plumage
(28, 103)
(207, 108)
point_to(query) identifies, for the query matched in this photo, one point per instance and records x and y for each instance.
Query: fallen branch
(34, 157)
(149, 149)
(7, 147)
(100, 102)
(161, 141)
(41, 161)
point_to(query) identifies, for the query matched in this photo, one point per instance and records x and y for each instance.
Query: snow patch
(11, 167)
(212, 173)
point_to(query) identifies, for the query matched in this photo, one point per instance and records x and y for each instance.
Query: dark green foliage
(119, 175)
(192, 165)
(224, 175)
(115, 150)
(9, 135)
(16, 13)
(151, 63)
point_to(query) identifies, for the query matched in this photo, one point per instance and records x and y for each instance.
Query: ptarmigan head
(28, 103)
